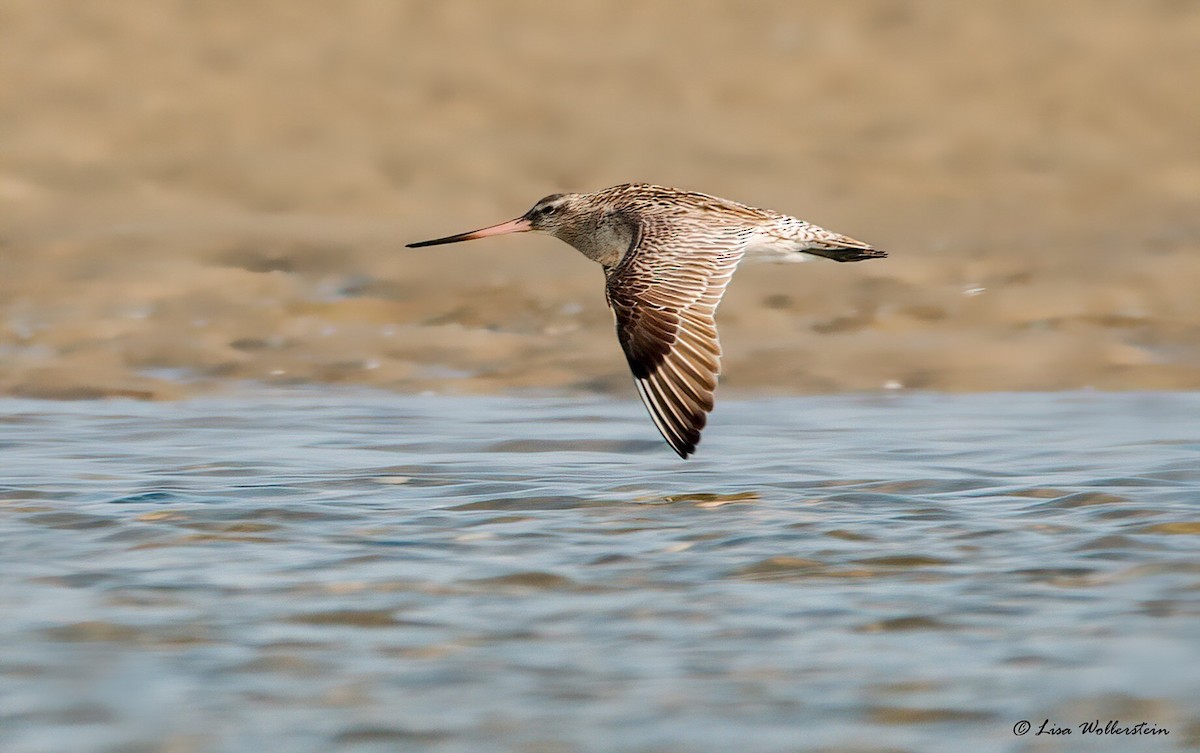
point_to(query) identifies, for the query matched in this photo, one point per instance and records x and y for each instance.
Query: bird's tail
(840, 247)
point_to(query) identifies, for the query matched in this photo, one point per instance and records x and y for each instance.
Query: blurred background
(200, 193)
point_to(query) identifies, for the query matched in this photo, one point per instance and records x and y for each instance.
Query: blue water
(325, 571)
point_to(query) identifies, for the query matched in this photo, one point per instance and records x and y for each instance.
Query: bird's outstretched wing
(664, 294)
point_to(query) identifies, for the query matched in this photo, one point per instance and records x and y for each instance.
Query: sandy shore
(197, 194)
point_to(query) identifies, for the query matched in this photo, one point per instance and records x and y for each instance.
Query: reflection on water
(319, 571)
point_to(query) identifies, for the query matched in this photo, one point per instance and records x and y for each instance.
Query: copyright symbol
(1020, 728)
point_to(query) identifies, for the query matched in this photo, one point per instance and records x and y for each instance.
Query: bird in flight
(667, 256)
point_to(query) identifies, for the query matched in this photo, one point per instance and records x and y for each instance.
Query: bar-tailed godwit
(667, 256)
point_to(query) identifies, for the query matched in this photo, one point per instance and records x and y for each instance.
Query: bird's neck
(604, 238)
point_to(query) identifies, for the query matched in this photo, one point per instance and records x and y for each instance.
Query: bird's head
(552, 213)
(549, 215)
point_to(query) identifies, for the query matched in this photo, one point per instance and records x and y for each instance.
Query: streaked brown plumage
(667, 256)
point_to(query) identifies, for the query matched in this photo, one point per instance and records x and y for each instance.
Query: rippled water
(318, 571)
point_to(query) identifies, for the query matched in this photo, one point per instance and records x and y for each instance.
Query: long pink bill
(519, 225)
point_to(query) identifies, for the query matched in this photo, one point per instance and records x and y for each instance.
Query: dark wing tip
(684, 451)
(679, 423)
(683, 446)
(682, 435)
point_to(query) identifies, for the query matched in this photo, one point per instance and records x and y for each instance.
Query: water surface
(321, 570)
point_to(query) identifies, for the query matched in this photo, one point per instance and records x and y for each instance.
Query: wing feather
(664, 295)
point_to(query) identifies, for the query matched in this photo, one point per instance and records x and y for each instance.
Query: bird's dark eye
(549, 209)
